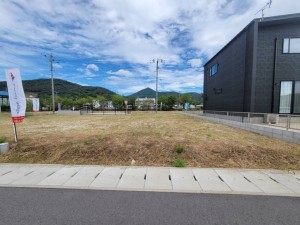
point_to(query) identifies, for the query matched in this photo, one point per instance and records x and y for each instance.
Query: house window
(213, 69)
(291, 45)
(289, 97)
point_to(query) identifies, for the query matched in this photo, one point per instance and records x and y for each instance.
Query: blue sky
(111, 43)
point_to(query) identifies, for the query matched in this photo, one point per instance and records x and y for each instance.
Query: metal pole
(156, 84)
(15, 132)
(52, 82)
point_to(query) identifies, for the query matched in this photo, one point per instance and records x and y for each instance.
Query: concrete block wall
(275, 132)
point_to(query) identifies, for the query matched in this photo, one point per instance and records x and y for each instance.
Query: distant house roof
(4, 93)
(144, 99)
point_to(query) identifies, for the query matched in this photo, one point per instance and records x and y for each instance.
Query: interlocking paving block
(210, 181)
(7, 169)
(16, 174)
(61, 176)
(183, 180)
(108, 178)
(158, 178)
(288, 180)
(264, 182)
(237, 182)
(37, 176)
(84, 177)
(133, 178)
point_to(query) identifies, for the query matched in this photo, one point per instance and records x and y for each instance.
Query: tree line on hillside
(117, 101)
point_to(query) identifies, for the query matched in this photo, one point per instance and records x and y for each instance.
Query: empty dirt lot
(148, 138)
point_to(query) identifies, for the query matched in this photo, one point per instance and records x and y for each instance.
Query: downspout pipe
(274, 75)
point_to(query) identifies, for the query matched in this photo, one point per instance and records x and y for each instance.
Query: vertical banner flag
(16, 95)
(187, 106)
(35, 104)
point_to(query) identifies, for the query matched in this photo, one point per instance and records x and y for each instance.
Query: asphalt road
(61, 206)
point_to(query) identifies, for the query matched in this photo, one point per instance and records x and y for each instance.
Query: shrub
(2, 140)
(179, 149)
(179, 163)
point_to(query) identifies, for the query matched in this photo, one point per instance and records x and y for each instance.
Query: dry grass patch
(148, 138)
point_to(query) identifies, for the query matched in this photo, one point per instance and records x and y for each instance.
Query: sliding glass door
(289, 97)
(286, 90)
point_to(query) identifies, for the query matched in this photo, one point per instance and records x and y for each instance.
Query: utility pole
(156, 99)
(51, 60)
(268, 4)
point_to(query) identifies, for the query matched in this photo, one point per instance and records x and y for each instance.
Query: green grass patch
(179, 163)
(2, 140)
(179, 149)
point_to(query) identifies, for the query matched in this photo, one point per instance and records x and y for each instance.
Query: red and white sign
(16, 95)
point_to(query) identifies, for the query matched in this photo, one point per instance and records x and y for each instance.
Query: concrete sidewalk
(194, 180)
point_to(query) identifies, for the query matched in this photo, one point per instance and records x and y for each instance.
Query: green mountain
(150, 93)
(42, 87)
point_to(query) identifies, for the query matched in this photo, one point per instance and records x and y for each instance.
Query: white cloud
(57, 66)
(92, 67)
(89, 70)
(195, 62)
(121, 72)
(126, 32)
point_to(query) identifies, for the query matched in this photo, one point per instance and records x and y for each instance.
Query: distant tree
(101, 99)
(118, 101)
(171, 100)
(29, 105)
(186, 98)
(167, 101)
(131, 101)
(67, 103)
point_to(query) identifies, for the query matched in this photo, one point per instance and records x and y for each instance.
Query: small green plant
(179, 149)
(179, 163)
(2, 140)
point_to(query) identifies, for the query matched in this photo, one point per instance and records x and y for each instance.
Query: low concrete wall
(275, 132)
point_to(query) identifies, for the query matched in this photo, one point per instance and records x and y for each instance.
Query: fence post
(227, 113)
(249, 118)
(288, 122)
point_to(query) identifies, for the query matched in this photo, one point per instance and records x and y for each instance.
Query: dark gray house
(258, 70)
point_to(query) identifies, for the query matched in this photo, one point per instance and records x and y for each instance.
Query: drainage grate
(247, 179)
(145, 177)
(274, 180)
(170, 177)
(28, 173)
(97, 175)
(6, 173)
(221, 178)
(121, 176)
(195, 178)
(50, 174)
(74, 174)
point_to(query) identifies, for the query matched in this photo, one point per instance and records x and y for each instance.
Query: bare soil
(148, 138)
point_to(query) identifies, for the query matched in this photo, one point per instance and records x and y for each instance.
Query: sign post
(17, 98)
